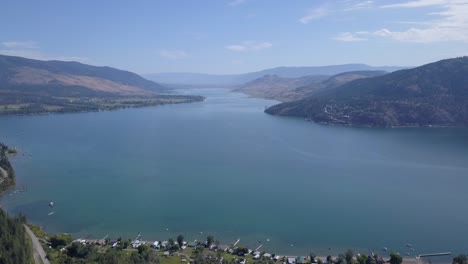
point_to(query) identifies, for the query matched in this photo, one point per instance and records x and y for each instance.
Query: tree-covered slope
(433, 94)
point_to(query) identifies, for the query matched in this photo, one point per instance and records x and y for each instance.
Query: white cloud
(314, 14)
(360, 5)
(37, 55)
(236, 2)
(20, 44)
(173, 54)
(449, 25)
(249, 46)
(349, 37)
(417, 3)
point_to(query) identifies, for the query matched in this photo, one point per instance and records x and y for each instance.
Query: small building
(256, 256)
(223, 248)
(291, 260)
(166, 253)
(192, 244)
(276, 257)
(267, 255)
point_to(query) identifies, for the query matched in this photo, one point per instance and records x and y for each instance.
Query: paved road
(37, 246)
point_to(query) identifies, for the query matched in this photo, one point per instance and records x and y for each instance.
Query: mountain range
(434, 94)
(239, 79)
(290, 89)
(34, 86)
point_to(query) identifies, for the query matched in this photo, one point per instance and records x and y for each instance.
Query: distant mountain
(435, 94)
(70, 78)
(290, 89)
(238, 79)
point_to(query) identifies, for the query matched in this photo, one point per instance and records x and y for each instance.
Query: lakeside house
(291, 260)
(223, 247)
(267, 255)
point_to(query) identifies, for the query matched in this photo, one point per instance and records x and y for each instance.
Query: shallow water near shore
(225, 168)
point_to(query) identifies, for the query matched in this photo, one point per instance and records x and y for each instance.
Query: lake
(225, 168)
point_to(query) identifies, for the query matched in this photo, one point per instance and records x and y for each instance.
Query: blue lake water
(225, 168)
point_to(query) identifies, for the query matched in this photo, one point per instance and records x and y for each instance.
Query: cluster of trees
(6, 166)
(460, 259)
(15, 246)
(349, 258)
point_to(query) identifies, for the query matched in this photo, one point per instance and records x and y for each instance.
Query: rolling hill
(290, 89)
(73, 78)
(434, 94)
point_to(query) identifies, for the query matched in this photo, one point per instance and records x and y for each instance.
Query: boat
(51, 204)
(51, 213)
(267, 240)
(385, 249)
(409, 245)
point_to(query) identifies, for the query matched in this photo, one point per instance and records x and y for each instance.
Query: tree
(60, 240)
(329, 258)
(312, 257)
(319, 261)
(171, 241)
(349, 256)
(180, 240)
(362, 259)
(209, 240)
(460, 259)
(395, 258)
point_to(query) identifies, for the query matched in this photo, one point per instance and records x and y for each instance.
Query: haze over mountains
(434, 94)
(285, 72)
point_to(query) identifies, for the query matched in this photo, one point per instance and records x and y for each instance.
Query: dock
(237, 242)
(434, 255)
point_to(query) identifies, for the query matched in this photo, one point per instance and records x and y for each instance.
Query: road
(37, 247)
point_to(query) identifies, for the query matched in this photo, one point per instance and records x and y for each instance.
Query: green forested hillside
(15, 246)
(435, 94)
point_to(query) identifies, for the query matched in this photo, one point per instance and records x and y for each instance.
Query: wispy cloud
(417, 3)
(450, 24)
(173, 54)
(314, 14)
(31, 50)
(249, 46)
(359, 5)
(236, 2)
(20, 44)
(37, 55)
(349, 37)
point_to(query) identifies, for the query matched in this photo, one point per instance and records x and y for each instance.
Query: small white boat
(51, 213)
(51, 204)
(267, 240)
(385, 249)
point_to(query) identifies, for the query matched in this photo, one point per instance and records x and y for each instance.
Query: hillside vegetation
(290, 89)
(34, 86)
(435, 94)
(15, 246)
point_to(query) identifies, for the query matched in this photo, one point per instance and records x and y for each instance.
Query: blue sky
(234, 36)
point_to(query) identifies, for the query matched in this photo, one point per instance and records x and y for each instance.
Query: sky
(234, 36)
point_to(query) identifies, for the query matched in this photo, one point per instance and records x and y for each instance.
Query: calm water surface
(223, 167)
